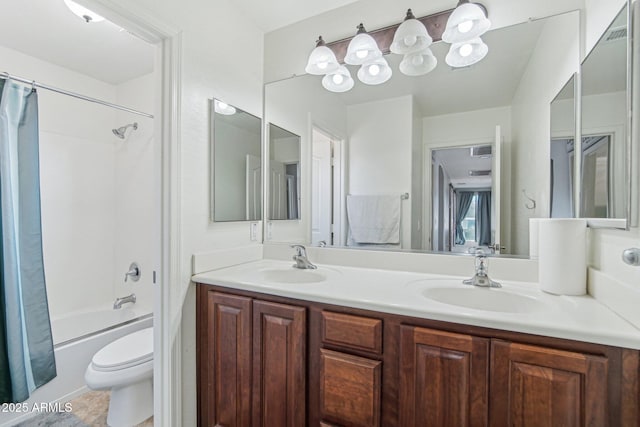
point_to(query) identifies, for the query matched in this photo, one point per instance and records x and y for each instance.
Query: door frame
(167, 349)
(427, 205)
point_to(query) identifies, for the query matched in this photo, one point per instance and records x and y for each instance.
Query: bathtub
(77, 337)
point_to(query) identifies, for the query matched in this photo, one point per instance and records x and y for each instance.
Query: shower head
(120, 132)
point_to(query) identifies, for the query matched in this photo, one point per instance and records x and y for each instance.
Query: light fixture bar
(435, 24)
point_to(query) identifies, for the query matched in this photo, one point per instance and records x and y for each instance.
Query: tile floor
(89, 409)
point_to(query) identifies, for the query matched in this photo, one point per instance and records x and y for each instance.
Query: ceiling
(52, 33)
(457, 162)
(275, 14)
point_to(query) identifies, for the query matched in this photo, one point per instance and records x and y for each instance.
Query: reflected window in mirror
(237, 164)
(284, 174)
(562, 165)
(604, 176)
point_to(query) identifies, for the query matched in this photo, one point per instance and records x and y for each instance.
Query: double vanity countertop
(516, 306)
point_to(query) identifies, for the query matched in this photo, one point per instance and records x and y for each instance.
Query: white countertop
(578, 318)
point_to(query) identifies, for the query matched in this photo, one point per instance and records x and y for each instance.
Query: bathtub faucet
(123, 300)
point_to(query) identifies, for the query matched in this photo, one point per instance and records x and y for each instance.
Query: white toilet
(126, 367)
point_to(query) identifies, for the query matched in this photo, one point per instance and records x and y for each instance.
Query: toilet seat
(125, 352)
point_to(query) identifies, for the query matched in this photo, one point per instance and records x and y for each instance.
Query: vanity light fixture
(223, 108)
(338, 81)
(322, 60)
(375, 72)
(467, 22)
(410, 37)
(466, 53)
(362, 49)
(84, 13)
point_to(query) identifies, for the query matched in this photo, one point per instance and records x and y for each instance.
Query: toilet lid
(130, 350)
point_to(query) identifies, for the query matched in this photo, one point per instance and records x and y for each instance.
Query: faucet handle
(300, 250)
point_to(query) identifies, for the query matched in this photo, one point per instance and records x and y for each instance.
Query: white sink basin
(485, 299)
(292, 275)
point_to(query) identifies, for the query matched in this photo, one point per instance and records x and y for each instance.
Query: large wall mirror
(236, 164)
(449, 161)
(605, 130)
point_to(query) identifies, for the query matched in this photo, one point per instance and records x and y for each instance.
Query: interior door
(254, 186)
(321, 202)
(495, 191)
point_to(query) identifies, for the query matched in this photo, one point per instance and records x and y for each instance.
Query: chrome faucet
(123, 300)
(481, 278)
(301, 258)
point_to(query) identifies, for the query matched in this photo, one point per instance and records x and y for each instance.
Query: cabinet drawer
(353, 332)
(350, 390)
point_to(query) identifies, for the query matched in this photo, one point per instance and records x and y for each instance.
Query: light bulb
(465, 50)
(362, 53)
(410, 40)
(374, 69)
(465, 26)
(222, 105)
(322, 65)
(417, 60)
(338, 79)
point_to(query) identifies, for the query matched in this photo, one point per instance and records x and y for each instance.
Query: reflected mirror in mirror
(284, 174)
(391, 133)
(237, 164)
(605, 125)
(563, 135)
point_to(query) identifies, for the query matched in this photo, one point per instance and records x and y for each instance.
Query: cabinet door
(537, 386)
(279, 365)
(443, 378)
(225, 398)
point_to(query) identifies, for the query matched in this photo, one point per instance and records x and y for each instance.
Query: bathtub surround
(26, 344)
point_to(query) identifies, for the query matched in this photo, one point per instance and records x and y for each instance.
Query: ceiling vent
(615, 34)
(480, 172)
(481, 151)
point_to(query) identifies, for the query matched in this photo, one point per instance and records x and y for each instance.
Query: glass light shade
(466, 53)
(223, 108)
(466, 22)
(322, 61)
(84, 13)
(338, 81)
(410, 37)
(362, 49)
(375, 72)
(417, 64)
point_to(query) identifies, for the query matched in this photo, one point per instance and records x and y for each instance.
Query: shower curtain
(464, 203)
(26, 345)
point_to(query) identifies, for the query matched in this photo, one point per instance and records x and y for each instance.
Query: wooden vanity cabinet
(251, 361)
(265, 360)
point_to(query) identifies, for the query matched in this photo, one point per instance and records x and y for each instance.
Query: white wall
(597, 17)
(380, 148)
(472, 128)
(417, 178)
(558, 45)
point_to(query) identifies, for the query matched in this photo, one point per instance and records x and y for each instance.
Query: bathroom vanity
(362, 347)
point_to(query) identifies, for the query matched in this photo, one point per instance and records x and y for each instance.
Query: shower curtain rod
(35, 84)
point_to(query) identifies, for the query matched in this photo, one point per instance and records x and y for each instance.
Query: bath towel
(374, 219)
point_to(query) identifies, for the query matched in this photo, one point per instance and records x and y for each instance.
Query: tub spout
(123, 300)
